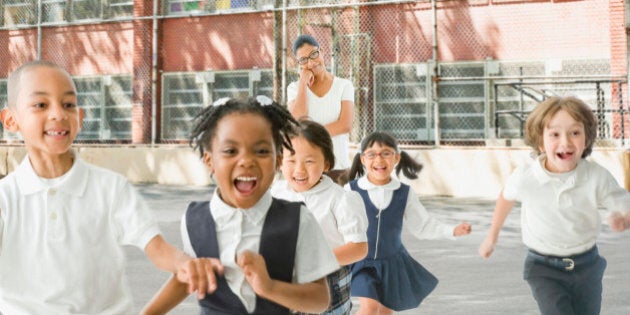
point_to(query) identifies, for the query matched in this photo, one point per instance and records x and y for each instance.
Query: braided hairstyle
(407, 164)
(283, 125)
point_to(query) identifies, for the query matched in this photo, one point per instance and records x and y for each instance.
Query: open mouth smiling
(56, 133)
(564, 155)
(245, 184)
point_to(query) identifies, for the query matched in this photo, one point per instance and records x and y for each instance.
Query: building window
(86, 10)
(107, 104)
(18, 12)
(182, 98)
(24, 12)
(53, 11)
(462, 101)
(120, 9)
(184, 94)
(188, 7)
(402, 101)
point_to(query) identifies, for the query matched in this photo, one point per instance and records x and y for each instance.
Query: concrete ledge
(458, 172)
(167, 165)
(481, 172)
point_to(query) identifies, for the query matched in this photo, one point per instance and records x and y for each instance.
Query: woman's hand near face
(307, 76)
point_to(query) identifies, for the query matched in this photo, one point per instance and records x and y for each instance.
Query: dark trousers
(566, 285)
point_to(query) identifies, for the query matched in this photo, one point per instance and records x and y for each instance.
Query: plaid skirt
(339, 284)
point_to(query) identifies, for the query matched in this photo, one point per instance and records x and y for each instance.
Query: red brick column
(142, 38)
(618, 62)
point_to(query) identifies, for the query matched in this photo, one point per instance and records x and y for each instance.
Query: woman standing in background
(324, 98)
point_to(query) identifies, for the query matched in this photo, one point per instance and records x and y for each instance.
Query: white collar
(323, 184)
(365, 184)
(543, 177)
(74, 184)
(223, 213)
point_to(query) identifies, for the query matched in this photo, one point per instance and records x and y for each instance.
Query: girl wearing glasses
(389, 279)
(324, 98)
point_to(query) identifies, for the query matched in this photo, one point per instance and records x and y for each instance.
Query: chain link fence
(441, 72)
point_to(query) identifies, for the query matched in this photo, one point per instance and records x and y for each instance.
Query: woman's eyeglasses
(311, 56)
(387, 154)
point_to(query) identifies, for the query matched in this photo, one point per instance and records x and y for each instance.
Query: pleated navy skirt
(398, 282)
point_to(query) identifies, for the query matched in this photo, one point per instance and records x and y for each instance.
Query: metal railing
(536, 91)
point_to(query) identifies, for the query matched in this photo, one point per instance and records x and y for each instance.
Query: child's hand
(255, 270)
(199, 274)
(463, 228)
(486, 248)
(618, 222)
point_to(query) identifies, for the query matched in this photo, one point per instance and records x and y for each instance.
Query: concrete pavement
(469, 285)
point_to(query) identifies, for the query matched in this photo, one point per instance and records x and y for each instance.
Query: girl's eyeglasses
(387, 154)
(311, 56)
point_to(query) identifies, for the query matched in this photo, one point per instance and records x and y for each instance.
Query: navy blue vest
(384, 230)
(277, 245)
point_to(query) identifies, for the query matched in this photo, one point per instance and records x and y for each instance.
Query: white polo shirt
(61, 245)
(416, 218)
(240, 229)
(560, 217)
(340, 213)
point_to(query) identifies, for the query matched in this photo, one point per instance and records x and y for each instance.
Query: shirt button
(52, 192)
(53, 216)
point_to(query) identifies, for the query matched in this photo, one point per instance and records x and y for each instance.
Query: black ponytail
(409, 167)
(356, 169)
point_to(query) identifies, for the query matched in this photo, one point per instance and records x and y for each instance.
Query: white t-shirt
(416, 218)
(340, 213)
(325, 110)
(560, 216)
(240, 229)
(61, 241)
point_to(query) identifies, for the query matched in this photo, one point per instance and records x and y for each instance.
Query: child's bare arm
(310, 297)
(350, 252)
(170, 295)
(198, 273)
(501, 211)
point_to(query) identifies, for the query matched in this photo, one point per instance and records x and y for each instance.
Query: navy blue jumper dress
(388, 273)
(277, 245)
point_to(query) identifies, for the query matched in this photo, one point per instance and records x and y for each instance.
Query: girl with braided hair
(269, 255)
